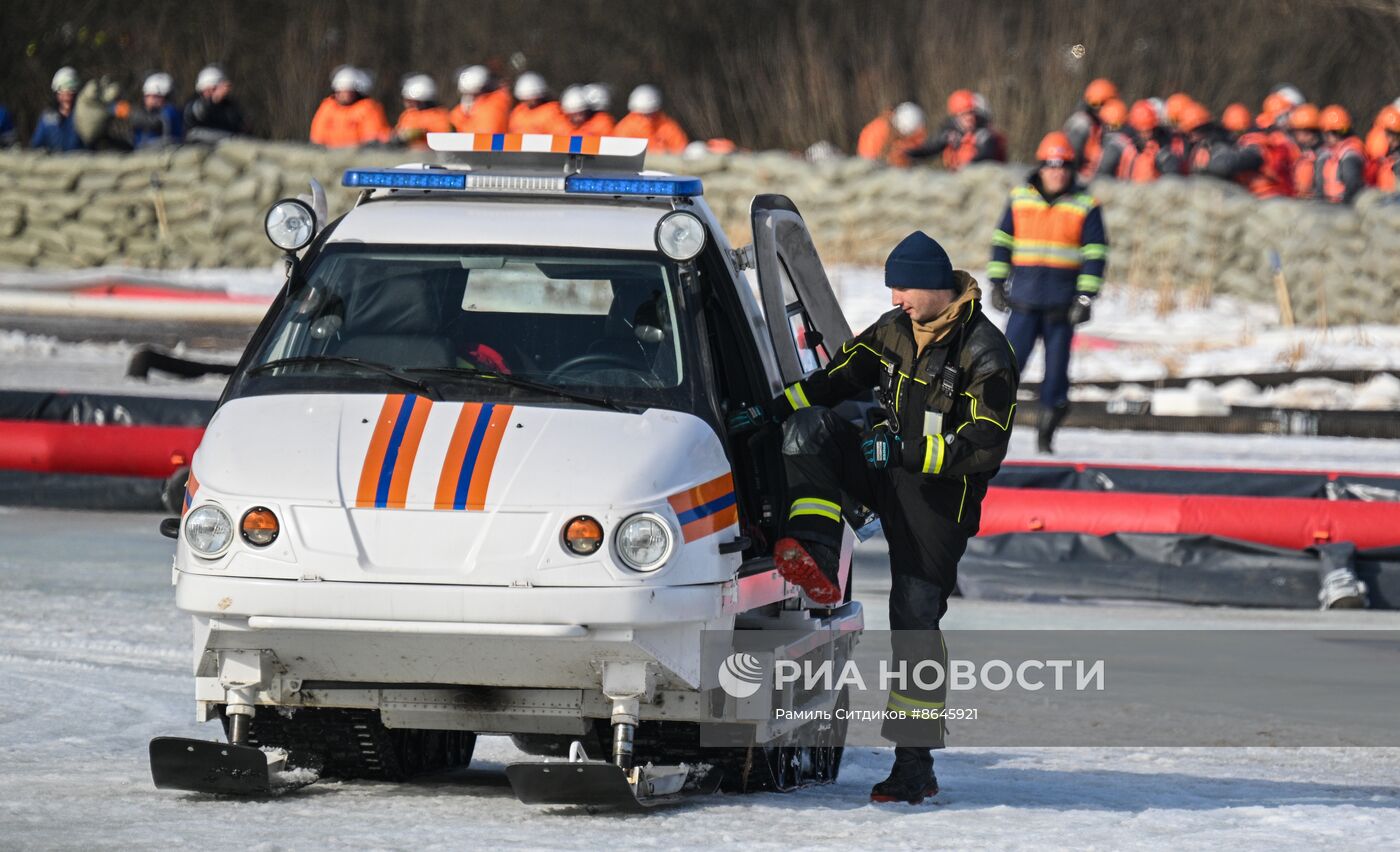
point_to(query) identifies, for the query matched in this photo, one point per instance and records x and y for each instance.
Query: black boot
(911, 780)
(1050, 420)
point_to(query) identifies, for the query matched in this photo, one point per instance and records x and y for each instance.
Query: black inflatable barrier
(1263, 380)
(124, 409)
(1203, 570)
(1241, 420)
(1233, 483)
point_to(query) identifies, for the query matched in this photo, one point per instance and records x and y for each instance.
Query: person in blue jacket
(56, 131)
(156, 122)
(8, 137)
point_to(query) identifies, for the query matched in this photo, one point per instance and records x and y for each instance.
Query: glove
(999, 296)
(881, 447)
(748, 419)
(1081, 310)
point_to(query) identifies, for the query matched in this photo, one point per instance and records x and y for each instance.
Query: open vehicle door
(803, 317)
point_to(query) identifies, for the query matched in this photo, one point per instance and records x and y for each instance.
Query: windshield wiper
(373, 366)
(527, 384)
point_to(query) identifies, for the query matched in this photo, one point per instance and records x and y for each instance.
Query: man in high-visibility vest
(1341, 165)
(1052, 246)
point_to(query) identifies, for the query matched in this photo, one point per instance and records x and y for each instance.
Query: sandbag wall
(1176, 240)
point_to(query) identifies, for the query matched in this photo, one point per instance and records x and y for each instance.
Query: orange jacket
(662, 132)
(489, 113)
(338, 126)
(1377, 143)
(544, 118)
(413, 124)
(598, 124)
(1275, 177)
(1332, 184)
(879, 142)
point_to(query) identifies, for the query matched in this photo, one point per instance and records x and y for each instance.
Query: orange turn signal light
(583, 536)
(259, 526)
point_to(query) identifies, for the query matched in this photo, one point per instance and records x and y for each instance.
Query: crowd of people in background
(91, 115)
(350, 116)
(1289, 148)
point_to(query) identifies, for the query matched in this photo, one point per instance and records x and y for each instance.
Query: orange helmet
(961, 101)
(1304, 117)
(1098, 91)
(1113, 112)
(1176, 104)
(1236, 118)
(1276, 104)
(1335, 119)
(1055, 148)
(1142, 116)
(1193, 115)
(1389, 119)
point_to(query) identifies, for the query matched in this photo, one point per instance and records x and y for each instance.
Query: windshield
(476, 324)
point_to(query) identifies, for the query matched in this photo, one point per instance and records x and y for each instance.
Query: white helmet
(66, 79)
(529, 86)
(979, 105)
(645, 99)
(599, 96)
(1290, 93)
(907, 118)
(209, 77)
(473, 79)
(159, 83)
(573, 99)
(419, 87)
(346, 78)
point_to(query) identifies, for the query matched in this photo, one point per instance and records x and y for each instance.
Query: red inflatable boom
(47, 447)
(1280, 521)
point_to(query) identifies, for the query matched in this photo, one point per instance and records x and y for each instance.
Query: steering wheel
(601, 361)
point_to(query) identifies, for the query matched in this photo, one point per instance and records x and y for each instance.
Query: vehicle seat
(398, 321)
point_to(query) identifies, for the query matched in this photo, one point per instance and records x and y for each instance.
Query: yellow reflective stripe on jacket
(934, 448)
(796, 397)
(1094, 251)
(998, 269)
(815, 506)
(976, 416)
(899, 701)
(1088, 284)
(1001, 238)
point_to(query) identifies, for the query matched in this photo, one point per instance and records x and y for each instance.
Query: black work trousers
(825, 469)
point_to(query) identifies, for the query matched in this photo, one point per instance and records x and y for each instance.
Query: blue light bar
(403, 179)
(670, 186)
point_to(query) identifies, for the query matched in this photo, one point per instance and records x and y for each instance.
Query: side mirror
(170, 527)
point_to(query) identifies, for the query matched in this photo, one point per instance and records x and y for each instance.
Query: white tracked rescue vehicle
(471, 476)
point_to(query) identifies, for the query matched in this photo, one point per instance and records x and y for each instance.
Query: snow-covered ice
(94, 661)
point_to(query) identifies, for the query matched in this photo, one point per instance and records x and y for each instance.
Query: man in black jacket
(947, 380)
(213, 114)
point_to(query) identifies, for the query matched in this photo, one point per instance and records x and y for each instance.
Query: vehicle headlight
(290, 224)
(208, 530)
(644, 542)
(680, 235)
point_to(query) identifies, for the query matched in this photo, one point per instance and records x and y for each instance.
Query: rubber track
(347, 744)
